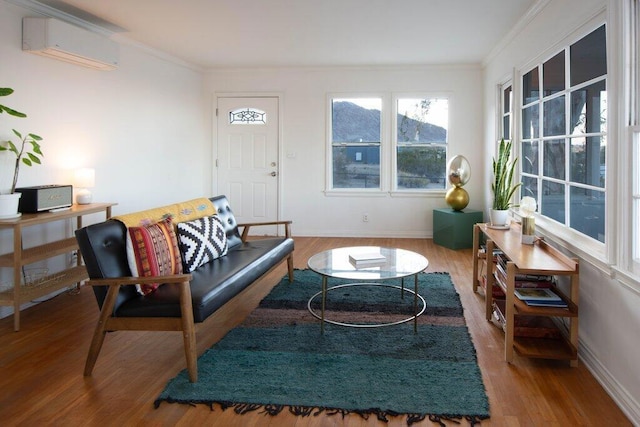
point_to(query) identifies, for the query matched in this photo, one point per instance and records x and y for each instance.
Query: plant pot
(498, 218)
(9, 205)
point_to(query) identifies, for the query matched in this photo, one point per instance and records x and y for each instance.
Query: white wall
(144, 127)
(304, 93)
(609, 314)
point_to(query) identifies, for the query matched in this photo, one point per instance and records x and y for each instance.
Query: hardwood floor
(42, 382)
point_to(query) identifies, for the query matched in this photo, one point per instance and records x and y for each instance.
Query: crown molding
(107, 29)
(515, 30)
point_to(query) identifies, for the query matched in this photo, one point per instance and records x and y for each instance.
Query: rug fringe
(305, 411)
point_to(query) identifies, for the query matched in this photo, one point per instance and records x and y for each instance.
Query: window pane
(506, 100)
(588, 164)
(589, 109)
(422, 120)
(356, 120)
(529, 187)
(554, 117)
(506, 127)
(530, 87)
(421, 167)
(589, 57)
(587, 212)
(356, 166)
(530, 157)
(530, 128)
(553, 200)
(553, 75)
(554, 159)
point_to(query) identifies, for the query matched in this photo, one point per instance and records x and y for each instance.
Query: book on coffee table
(367, 259)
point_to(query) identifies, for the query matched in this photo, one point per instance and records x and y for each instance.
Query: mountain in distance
(353, 123)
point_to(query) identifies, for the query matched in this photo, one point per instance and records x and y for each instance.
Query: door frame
(215, 142)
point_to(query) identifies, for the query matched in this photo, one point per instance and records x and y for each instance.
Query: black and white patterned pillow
(200, 241)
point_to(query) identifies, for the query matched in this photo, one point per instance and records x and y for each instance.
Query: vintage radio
(45, 198)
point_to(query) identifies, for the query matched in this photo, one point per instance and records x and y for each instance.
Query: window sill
(578, 244)
(358, 192)
(627, 279)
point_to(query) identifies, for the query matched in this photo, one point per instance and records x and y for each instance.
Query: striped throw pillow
(152, 250)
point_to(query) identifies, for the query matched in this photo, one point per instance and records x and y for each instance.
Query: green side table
(454, 229)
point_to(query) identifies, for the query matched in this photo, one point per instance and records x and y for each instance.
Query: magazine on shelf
(533, 284)
(557, 304)
(537, 294)
(540, 297)
(367, 259)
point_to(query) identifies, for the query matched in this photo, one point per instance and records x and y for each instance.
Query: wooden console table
(21, 256)
(537, 259)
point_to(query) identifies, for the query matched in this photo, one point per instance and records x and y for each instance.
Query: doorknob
(274, 173)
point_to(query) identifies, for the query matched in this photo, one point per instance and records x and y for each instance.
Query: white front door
(247, 163)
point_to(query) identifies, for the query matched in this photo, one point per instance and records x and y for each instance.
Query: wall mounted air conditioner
(56, 39)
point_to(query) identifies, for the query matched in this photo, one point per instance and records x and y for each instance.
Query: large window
(421, 143)
(564, 135)
(355, 142)
(361, 149)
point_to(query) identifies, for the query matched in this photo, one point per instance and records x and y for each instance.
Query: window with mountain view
(564, 135)
(421, 143)
(355, 142)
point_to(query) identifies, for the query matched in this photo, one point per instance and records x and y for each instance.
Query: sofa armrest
(119, 281)
(247, 226)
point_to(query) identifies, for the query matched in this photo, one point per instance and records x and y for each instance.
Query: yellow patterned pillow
(178, 212)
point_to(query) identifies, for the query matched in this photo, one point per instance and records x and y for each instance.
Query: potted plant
(502, 186)
(27, 151)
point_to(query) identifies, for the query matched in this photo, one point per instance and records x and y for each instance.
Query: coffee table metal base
(323, 293)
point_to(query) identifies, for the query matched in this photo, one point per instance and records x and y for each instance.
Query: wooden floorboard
(42, 364)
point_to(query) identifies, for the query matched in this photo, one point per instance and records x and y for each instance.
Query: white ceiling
(276, 33)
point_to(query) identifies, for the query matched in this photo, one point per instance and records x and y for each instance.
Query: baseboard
(627, 403)
(416, 234)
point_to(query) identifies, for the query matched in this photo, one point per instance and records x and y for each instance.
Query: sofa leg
(290, 267)
(189, 332)
(100, 332)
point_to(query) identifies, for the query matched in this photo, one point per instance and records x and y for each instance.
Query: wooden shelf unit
(537, 259)
(20, 257)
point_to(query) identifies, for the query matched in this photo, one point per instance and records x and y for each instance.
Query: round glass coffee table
(368, 266)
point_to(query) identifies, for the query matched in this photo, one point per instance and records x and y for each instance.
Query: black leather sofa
(184, 299)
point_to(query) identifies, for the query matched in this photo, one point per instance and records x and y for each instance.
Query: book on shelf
(556, 304)
(537, 294)
(496, 291)
(367, 259)
(534, 278)
(540, 297)
(496, 251)
(525, 325)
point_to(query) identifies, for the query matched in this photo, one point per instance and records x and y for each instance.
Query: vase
(498, 217)
(9, 205)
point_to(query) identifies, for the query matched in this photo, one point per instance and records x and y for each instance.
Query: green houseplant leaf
(503, 171)
(27, 151)
(5, 91)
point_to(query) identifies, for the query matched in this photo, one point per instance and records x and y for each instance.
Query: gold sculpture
(458, 174)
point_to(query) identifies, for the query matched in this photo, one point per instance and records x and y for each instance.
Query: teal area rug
(278, 359)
